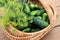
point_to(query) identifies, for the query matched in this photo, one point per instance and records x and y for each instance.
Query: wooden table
(54, 34)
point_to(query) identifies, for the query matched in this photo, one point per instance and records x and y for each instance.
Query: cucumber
(34, 6)
(37, 12)
(22, 25)
(40, 23)
(39, 17)
(44, 16)
(34, 12)
(26, 30)
(26, 9)
(41, 11)
(34, 30)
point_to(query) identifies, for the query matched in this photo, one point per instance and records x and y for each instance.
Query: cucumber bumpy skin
(39, 22)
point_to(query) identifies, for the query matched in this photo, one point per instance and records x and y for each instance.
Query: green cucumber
(44, 16)
(26, 30)
(34, 30)
(34, 6)
(34, 12)
(40, 23)
(22, 25)
(37, 12)
(41, 11)
(39, 17)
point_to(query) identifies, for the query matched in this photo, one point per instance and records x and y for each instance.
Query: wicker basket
(18, 35)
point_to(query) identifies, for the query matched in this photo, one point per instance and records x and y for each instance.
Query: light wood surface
(52, 35)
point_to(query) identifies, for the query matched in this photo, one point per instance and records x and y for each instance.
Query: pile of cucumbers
(24, 15)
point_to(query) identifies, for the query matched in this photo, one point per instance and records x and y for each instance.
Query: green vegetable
(37, 12)
(44, 16)
(41, 11)
(39, 17)
(14, 24)
(40, 23)
(34, 12)
(34, 6)
(26, 30)
(34, 30)
(22, 25)
(26, 9)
